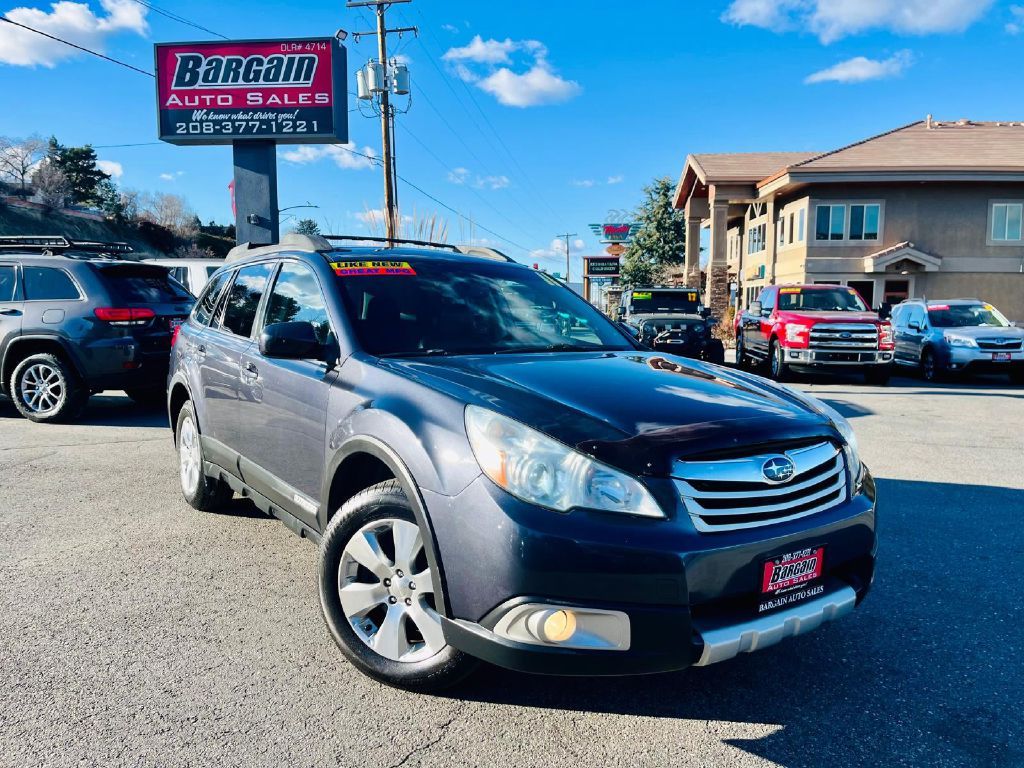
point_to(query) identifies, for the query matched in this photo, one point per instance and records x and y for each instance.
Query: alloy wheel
(387, 591)
(42, 389)
(189, 457)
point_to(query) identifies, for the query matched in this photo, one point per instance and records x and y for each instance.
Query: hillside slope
(25, 221)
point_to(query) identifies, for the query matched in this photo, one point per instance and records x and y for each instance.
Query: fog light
(552, 626)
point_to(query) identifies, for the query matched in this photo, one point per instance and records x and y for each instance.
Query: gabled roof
(733, 168)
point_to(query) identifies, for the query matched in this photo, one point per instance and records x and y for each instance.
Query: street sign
(288, 91)
(600, 266)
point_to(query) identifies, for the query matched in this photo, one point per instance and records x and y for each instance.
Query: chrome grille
(844, 336)
(733, 494)
(1000, 345)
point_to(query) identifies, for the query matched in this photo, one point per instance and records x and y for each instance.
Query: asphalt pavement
(135, 631)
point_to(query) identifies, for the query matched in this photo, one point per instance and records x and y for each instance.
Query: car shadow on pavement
(107, 410)
(928, 671)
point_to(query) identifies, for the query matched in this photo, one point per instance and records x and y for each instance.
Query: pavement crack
(424, 747)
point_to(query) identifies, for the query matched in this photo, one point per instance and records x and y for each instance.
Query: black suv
(486, 481)
(76, 319)
(671, 320)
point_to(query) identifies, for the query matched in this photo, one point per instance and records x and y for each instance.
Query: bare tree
(52, 187)
(19, 159)
(171, 212)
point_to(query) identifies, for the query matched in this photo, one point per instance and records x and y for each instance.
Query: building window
(790, 230)
(801, 224)
(756, 238)
(1006, 222)
(780, 226)
(831, 222)
(864, 222)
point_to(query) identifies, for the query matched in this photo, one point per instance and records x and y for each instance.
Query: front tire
(777, 365)
(930, 367)
(878, 375)
(46, 389)
(379, 594)
(201, 492)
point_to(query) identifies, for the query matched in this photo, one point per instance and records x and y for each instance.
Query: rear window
(142, 285)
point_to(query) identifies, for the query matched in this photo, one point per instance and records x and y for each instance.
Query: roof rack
(48, 245)
(467, 250)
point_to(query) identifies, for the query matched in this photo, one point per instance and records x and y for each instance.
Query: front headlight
(955, 340)
(541, 470)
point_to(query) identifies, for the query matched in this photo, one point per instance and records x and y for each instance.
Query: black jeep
(671, 320)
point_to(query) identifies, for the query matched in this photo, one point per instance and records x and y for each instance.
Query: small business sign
(614, 232)
(287, 91)
(615, 249)
(600, 266)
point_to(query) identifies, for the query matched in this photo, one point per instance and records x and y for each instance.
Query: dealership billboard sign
(601, 266)
(289, 91)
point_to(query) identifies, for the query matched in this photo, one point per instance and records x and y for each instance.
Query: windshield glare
(683, 302)
(822, 299)
(441, 308)
(966, 316)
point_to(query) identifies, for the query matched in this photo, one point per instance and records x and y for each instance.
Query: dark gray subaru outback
(493, 470)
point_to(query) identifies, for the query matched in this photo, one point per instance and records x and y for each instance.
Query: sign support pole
(257, 220)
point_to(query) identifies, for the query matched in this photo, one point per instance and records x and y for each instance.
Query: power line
(119, 146)
(180, 19)
(79, 47)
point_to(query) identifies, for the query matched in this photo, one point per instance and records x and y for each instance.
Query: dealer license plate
(1001, 357)
(789, 579)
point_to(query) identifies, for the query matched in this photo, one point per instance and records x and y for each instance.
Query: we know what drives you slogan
(288, 91)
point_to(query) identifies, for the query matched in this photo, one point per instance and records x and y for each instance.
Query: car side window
(767, 301)
(297, 297)
(49, 284)
(8, 282)
(897, 317)
(244, 297)
(207, 303)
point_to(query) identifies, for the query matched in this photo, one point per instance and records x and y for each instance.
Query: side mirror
(290, 341)
(620, 312)
(705, 312)
(633, 332)
(754, 308)
(914, 325)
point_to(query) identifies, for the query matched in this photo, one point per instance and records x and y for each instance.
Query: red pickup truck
(814, 326)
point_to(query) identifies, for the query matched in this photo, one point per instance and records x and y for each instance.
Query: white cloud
(831, 20)
(491, 182)
(341, 154)
(1016, 24)
(860, 69)
(482, 51)
(458, 175)
(557, 249)
(75, 22)
(450, 28)
(528, 82)
(616, 179)
(583, 183)
(112, 168)
(172, 176)
(374, 217)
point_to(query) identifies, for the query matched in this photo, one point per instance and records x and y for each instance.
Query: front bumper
(820, 357)
(971, 359)
(690, 598)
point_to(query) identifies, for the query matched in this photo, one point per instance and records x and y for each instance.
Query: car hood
(793, 315)
(636, 410)
(985, 332)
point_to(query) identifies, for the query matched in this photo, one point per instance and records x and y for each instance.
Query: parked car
(485, 483)
(190, 272)
(823, 327)
(75, 320)
(671, 320)
(958, 336)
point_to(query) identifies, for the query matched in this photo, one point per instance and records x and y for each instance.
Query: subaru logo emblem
(778, 469)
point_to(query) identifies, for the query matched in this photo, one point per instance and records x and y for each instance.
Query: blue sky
(556, 112)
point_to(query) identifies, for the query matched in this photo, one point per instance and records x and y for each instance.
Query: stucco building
(930, 209)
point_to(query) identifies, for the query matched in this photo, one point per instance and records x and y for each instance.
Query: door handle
(10, 312)
(201, 349)
(251, 373)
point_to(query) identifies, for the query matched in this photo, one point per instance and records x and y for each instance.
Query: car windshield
(683, 302)
(822, 299)
(966, 316)
(425, 307)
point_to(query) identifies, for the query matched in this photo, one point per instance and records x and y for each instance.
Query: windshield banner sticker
(359, 268)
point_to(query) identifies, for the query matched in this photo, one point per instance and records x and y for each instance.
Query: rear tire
(379, 594)
(777, 367)
(200, 491)
(46, 389)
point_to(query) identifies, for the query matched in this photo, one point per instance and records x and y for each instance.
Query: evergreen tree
(660, 241)
(78, 164)
(306, 227)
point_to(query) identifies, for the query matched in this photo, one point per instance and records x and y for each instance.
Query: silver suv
(957, 336)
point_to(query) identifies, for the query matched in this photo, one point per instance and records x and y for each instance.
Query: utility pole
(567, 235)
(380, 83)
